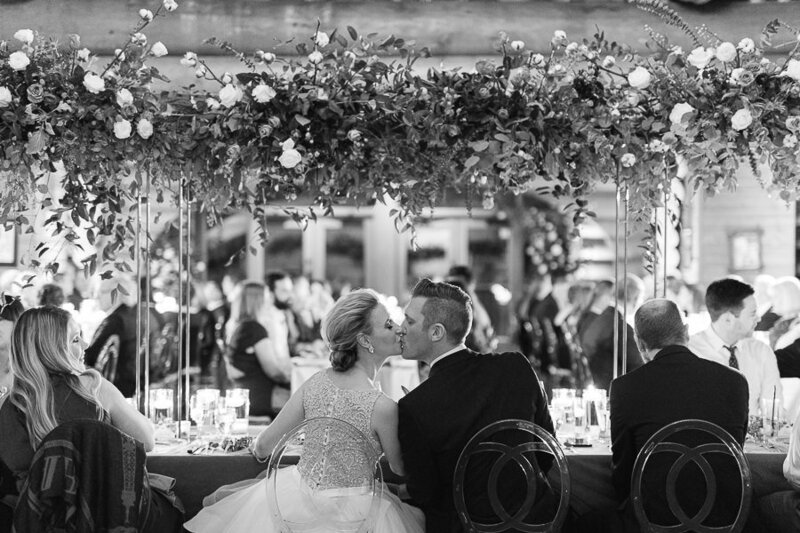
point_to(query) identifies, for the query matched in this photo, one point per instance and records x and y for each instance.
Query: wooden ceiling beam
(446, 27)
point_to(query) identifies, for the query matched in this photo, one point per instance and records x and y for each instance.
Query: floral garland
(341, 123)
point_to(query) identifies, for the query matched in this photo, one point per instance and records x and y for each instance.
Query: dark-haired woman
(361, 335)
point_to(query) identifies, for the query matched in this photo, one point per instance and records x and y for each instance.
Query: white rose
(170, 5)
(628, 160)
(119, 54)
(639, 78)
(559, 37)
(83, 54)
(288, 144)
(700, 57)
(227, 78)
(726, 52)
(94, 83)
(189, 59)
(18, 61)
(315, 56)
(609, 61)
(200, 72)
(290, 158)
(5, 97)
(124, 98)
(269, 57)
(139, 38)
(144, 128)
(322, 39)
(146, 14)
(159, 50)
(571, 48)
(24, 36)
(212, 103)
(679, 111)
(229, 95)
(354, 135)
(790, 141)
(747, 46)
(741, 120)
(517, 46)
(263, 93)
(793, 69)
(122, 129)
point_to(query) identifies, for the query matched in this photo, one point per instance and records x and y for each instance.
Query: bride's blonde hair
(39, 349)
(349, 317)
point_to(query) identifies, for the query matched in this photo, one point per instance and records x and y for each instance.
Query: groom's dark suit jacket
(465, 392)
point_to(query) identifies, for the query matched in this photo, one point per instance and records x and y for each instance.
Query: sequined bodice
(333, 458)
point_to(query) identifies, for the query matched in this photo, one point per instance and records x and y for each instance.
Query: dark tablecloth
(590, 473)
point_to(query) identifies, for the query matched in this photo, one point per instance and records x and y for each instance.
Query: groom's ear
(437, 332)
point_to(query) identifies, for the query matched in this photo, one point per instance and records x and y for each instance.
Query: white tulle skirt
(252, 507)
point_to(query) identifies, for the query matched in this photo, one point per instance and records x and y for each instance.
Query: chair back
(106, 362)
(664, 442)
(531, 443)
(336, 485)
(85, 475)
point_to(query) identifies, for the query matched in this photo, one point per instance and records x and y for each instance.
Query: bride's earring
(371, 349)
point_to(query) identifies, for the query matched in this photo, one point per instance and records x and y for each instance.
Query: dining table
(198, 475)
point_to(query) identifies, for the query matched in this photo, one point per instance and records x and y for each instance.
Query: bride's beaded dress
(250, 509)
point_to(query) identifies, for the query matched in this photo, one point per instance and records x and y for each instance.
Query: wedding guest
(51, 294)
(673, 385)
(728, 340)
(780, 511)
(117, 331)
(252, 361)
(786, 305)
(763, 286)
(464, 393)
(283, 322)
(598, 337)
(9, 312)
(220, 313)
(552, 351)
(602, 296)
(52, 386)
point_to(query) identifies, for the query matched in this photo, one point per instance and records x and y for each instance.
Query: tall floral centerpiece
(348, 118)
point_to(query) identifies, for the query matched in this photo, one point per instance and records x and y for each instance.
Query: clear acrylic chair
(499, 444)
(667, 441)
(337, 484)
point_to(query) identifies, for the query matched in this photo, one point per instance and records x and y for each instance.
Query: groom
(465, 392)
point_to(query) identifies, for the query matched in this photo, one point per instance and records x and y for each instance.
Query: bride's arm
(290, 416)
(384, 423)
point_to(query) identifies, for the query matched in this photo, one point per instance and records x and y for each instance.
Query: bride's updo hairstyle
(349, 317)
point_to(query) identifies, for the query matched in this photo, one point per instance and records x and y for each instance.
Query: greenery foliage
(349, 119)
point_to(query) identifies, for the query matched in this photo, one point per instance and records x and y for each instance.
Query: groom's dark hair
(446, 305)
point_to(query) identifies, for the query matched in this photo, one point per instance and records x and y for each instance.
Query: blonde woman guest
(252, 361)
(361, 335)
(52, 385)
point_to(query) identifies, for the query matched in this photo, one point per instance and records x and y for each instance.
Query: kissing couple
(421, 436)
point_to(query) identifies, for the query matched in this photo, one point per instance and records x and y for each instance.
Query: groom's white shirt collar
(449, 352)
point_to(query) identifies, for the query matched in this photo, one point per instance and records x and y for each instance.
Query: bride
(361, 335)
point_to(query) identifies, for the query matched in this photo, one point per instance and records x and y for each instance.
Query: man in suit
(465, 392)
(598, 337)
(673, 385)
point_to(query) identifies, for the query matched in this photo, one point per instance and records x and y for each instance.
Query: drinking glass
(162, 406)
(225, 417)
(239, 400)
(202, 409)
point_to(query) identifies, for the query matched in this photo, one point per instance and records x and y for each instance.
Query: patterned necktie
(733, 362)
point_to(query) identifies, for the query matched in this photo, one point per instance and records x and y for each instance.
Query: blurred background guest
(598, 337)
(10, 309)
(252, 361)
